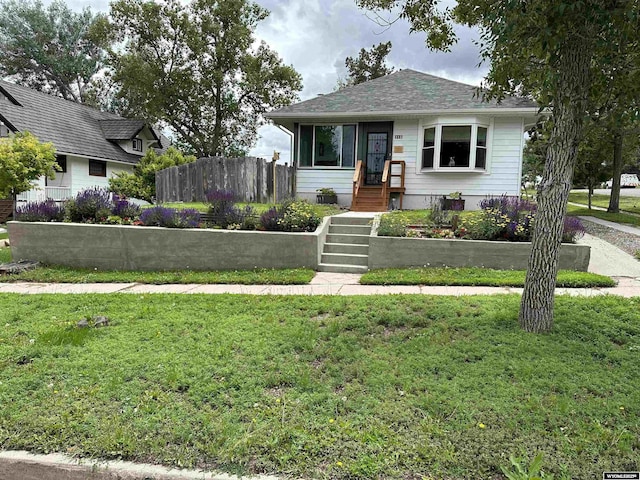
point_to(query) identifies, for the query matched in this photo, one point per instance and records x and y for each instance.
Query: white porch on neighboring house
(40, 194)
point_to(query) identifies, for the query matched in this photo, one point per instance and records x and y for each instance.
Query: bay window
(331, 146)
(454, 148)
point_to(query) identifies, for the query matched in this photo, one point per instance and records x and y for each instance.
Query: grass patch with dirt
(323, 387)
(476, 277)
(627, 204)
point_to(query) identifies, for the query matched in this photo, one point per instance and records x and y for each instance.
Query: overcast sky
(315, 37)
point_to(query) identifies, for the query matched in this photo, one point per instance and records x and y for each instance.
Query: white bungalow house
(91, 145)
(409, 135)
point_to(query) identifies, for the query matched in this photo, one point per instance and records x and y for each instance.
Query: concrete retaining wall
(120, 247)
(394, 252)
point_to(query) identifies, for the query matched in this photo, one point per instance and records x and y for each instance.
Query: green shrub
(393, 225)
(299, 216)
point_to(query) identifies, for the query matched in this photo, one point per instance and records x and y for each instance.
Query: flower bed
(498, 236)
(499, 219)
(99, 206)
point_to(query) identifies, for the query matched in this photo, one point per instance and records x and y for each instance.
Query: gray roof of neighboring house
(122, 129)
(405, 91)
(71, 127)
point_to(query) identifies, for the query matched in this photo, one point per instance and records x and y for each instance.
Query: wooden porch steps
(346, 247)
(370, 199)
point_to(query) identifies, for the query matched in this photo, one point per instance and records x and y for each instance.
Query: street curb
(22, 465)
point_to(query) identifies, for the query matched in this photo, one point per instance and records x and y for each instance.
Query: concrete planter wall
(120, 247)
(394, 252)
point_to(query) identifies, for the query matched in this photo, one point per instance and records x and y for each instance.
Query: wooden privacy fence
(252, 179)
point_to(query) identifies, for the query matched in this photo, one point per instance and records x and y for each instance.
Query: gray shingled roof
(121, 129)
(71, 127)
(400, 92)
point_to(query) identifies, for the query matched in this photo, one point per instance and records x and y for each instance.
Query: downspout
(294, 175)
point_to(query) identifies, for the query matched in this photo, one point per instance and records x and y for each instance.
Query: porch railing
(388, 176)
(57, 194)
(358, 177)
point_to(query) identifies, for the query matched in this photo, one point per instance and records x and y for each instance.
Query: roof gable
(73, 128)
(401, 92)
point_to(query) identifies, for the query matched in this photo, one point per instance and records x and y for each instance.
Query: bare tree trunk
(536, 308)
(614, 199)
(590, 193)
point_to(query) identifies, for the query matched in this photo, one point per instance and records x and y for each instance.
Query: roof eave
(500, 111)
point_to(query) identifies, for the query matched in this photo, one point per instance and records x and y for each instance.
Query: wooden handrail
(358, 178)
(385, 178)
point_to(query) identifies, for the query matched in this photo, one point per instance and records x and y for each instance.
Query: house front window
(97, 168)
(329, 146)
(137, 145)
(454, 148)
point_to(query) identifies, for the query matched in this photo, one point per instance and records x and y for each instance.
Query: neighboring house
(91, 145)
(433, 135)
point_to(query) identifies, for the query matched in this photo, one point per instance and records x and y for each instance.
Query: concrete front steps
(346, 248)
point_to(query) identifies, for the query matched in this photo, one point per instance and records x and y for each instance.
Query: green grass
(475, 277)
(323, 387)
(612, 217)
(321, 210)
(627, 204)
(5, 255)
(59, 274)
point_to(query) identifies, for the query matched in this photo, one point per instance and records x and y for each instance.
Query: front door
(376, 155)
(374, 147)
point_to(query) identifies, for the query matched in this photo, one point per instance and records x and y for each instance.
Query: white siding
(127, 146)
(79, 168)
(501, 177)
(310, 179)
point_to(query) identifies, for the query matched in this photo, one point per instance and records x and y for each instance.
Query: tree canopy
(195, 68)
(23, 159)
(53, 49)
(552, 50)
(369, 64)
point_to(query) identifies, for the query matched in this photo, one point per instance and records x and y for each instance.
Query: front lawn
(476, 277)
(627, 204)
(323, 387)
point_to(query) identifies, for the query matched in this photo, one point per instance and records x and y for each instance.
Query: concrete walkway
(607, 259)
(616, 226)
(601, 209)
(323, 284)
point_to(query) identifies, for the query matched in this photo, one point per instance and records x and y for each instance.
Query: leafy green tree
(369, 64)
(53, 49)
(593, 166)
(24, 159)
(551, 49)
(142, 182)
(196, 69)
(534, 154)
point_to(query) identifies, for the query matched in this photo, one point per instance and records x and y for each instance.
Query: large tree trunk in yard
(614, 199)
(536, 308)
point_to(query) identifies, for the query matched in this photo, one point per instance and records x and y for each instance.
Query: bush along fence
(252, 179)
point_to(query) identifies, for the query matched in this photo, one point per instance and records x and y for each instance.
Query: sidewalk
(601, 209)
(616, 226)
(323, 284)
